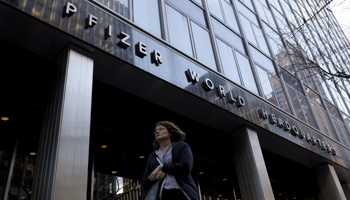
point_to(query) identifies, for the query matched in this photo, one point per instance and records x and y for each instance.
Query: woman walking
(170, 163)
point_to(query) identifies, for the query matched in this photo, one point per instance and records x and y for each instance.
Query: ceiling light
(32, 153)
(220, 195)
(280, 194)
(114, 172)
(201, 172)
(225, 179)
(295, 198)
(141, 157)
(30, 192)
(4, 118)
(104, 146)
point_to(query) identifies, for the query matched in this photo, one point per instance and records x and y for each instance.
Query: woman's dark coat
(180, 168)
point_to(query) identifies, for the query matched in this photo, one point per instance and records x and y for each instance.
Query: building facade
(257, 85)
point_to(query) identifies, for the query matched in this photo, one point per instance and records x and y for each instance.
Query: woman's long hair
(176, 134)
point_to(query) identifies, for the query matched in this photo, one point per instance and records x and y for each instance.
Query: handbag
(153, 193)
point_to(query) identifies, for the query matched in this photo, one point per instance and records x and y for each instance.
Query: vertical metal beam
(63, 152)
(250, 166)
(9, 175)
(329, 183)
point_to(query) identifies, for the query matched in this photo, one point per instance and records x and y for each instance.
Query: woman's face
(161, 133)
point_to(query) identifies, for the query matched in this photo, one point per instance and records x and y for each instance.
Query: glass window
(190, 9)
(333, 110)
(296, 104)
(230, 16)
(248, 30)
(249, 14)
(146, 15)
(228, 35)
(291, 80)
(247, 74)
(118, 6)
(280, 95)
(266, 86)
(204, 49)
(214, 7)
(261, 40)
(179, 34)
(261, 59)
(313, 96)
(199, 2)
(341, 130)
(228, 61)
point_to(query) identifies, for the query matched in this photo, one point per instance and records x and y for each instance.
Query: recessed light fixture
(225, 179)
(280, 194)
(5, 118)
(104, 146)
(32, 153)
(30, 192)
(295, 198)
(114, 172)
(141, 157)
(220, 195)
(201, 172)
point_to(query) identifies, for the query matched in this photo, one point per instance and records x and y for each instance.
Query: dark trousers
(175, 194)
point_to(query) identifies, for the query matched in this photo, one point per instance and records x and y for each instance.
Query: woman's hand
(155, 172)
(160, 175)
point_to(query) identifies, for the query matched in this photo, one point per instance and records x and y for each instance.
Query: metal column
(329, 183)
(250, 166)
(63, 152)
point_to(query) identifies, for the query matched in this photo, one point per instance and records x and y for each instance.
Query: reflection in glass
(22, 177)
(266, 85)
(214, 7)
(199, 2)
(249, 14)
(247, 74)
(190, 9)
(228, 61)
(248, 30)
(261, 40)
(110, 187)
(146, 15)
(280, 95)
(307, 111)
(296, 104)
(119, 6)
(178, 30)
(230, 16)
(228, 35)
(204, 49)
(262, 60)
(291, 80)
(313, 96)
(341, 130)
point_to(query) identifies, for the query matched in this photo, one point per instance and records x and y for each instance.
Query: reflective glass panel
(119, 6)
(307, 110)
(333, 110)
(341, 130)
(280, 95)
(190, 9)
(199, 2)
(228, 35)
(313, 96)
(247, 74)
(248, 30)
(291, 80)
(202, 43)
(266, 85)
(296, 104)
(230, 16)
(249, 14)
(214, 7)
(261, 40)
(228, 61)
(262, 60)
(146, 15)
(179, 34)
